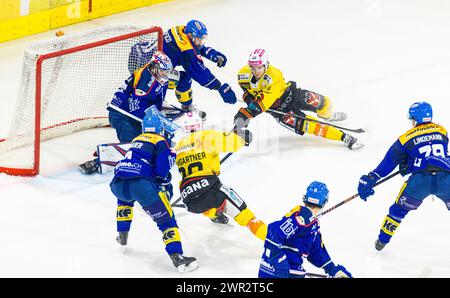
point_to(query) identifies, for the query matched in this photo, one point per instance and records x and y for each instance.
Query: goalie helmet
(191, 122)
(316, 194)
(258, 57)
(160, 66)
(421, 112)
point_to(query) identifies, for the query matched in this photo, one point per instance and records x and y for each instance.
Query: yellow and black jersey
(198, 153)
(268, 89)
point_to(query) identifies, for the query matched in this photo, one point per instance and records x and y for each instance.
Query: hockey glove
(338, 271)
(245, 134)
(242, 119)
(216, 56)
(165, 185)
(248, 98)
(366, 184)
(227, 94)
(403, 168)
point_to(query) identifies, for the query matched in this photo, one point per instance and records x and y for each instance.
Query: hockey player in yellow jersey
(265, 88)
(198, 162)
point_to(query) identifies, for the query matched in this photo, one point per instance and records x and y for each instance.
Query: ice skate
(182, 263)
(337, 116)
(379, 245)
(352, 142)
(194, 109)
(220, 218)
(122, 239)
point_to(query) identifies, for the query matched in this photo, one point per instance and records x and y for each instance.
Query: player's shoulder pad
(181, 39)
(244, 74)
(273, 74)
(304, 216)
(421, 130)
(151, 138)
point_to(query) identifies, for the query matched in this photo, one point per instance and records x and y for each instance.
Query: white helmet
(191, 122)
(258, 57)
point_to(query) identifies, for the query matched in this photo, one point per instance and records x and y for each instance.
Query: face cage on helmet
(161, 75)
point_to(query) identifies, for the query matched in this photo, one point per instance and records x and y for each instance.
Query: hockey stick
(174, 204)
(356, 195)
(359, 130)
(302, 274)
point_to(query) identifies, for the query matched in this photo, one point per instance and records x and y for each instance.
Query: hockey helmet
(421, 112)
(316, 194)
(191, 122)
(160, 66)
(258, 57)
(155, 122)
(197, 30)
(152, 121)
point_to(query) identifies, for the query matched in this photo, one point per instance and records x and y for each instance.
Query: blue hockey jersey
(140, 91)
(423, 147)
(182, 52)
(148, 157)
(294, 237)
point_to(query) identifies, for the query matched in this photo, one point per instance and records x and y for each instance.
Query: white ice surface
(373, 58)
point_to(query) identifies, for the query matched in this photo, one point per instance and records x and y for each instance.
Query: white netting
(75, 88)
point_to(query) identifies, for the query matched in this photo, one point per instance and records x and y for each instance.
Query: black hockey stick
(355, 195)
(359, 130)
(175, 203)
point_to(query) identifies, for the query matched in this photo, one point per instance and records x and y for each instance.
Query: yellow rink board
(34, 16)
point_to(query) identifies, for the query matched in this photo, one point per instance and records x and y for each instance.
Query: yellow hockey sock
(184, 97)
(322, 130)
(248, 219)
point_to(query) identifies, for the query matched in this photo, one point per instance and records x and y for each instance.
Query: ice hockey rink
(373, 58)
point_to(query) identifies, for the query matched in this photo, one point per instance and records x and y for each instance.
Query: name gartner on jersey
(194, 187)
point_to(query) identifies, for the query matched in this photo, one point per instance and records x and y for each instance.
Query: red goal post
(66, 85)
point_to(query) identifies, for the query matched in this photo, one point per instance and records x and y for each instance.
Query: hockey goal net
(66, 85)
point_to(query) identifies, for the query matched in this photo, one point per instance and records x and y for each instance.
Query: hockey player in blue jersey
(185, 47)
(297, 236)
(147, 86)
(422, 152)
(138, 178)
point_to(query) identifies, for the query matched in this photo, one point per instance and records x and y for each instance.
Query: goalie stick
(359, 130)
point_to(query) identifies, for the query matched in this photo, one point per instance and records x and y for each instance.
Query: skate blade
(187, 268)
(123, 249)
(357, 146)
